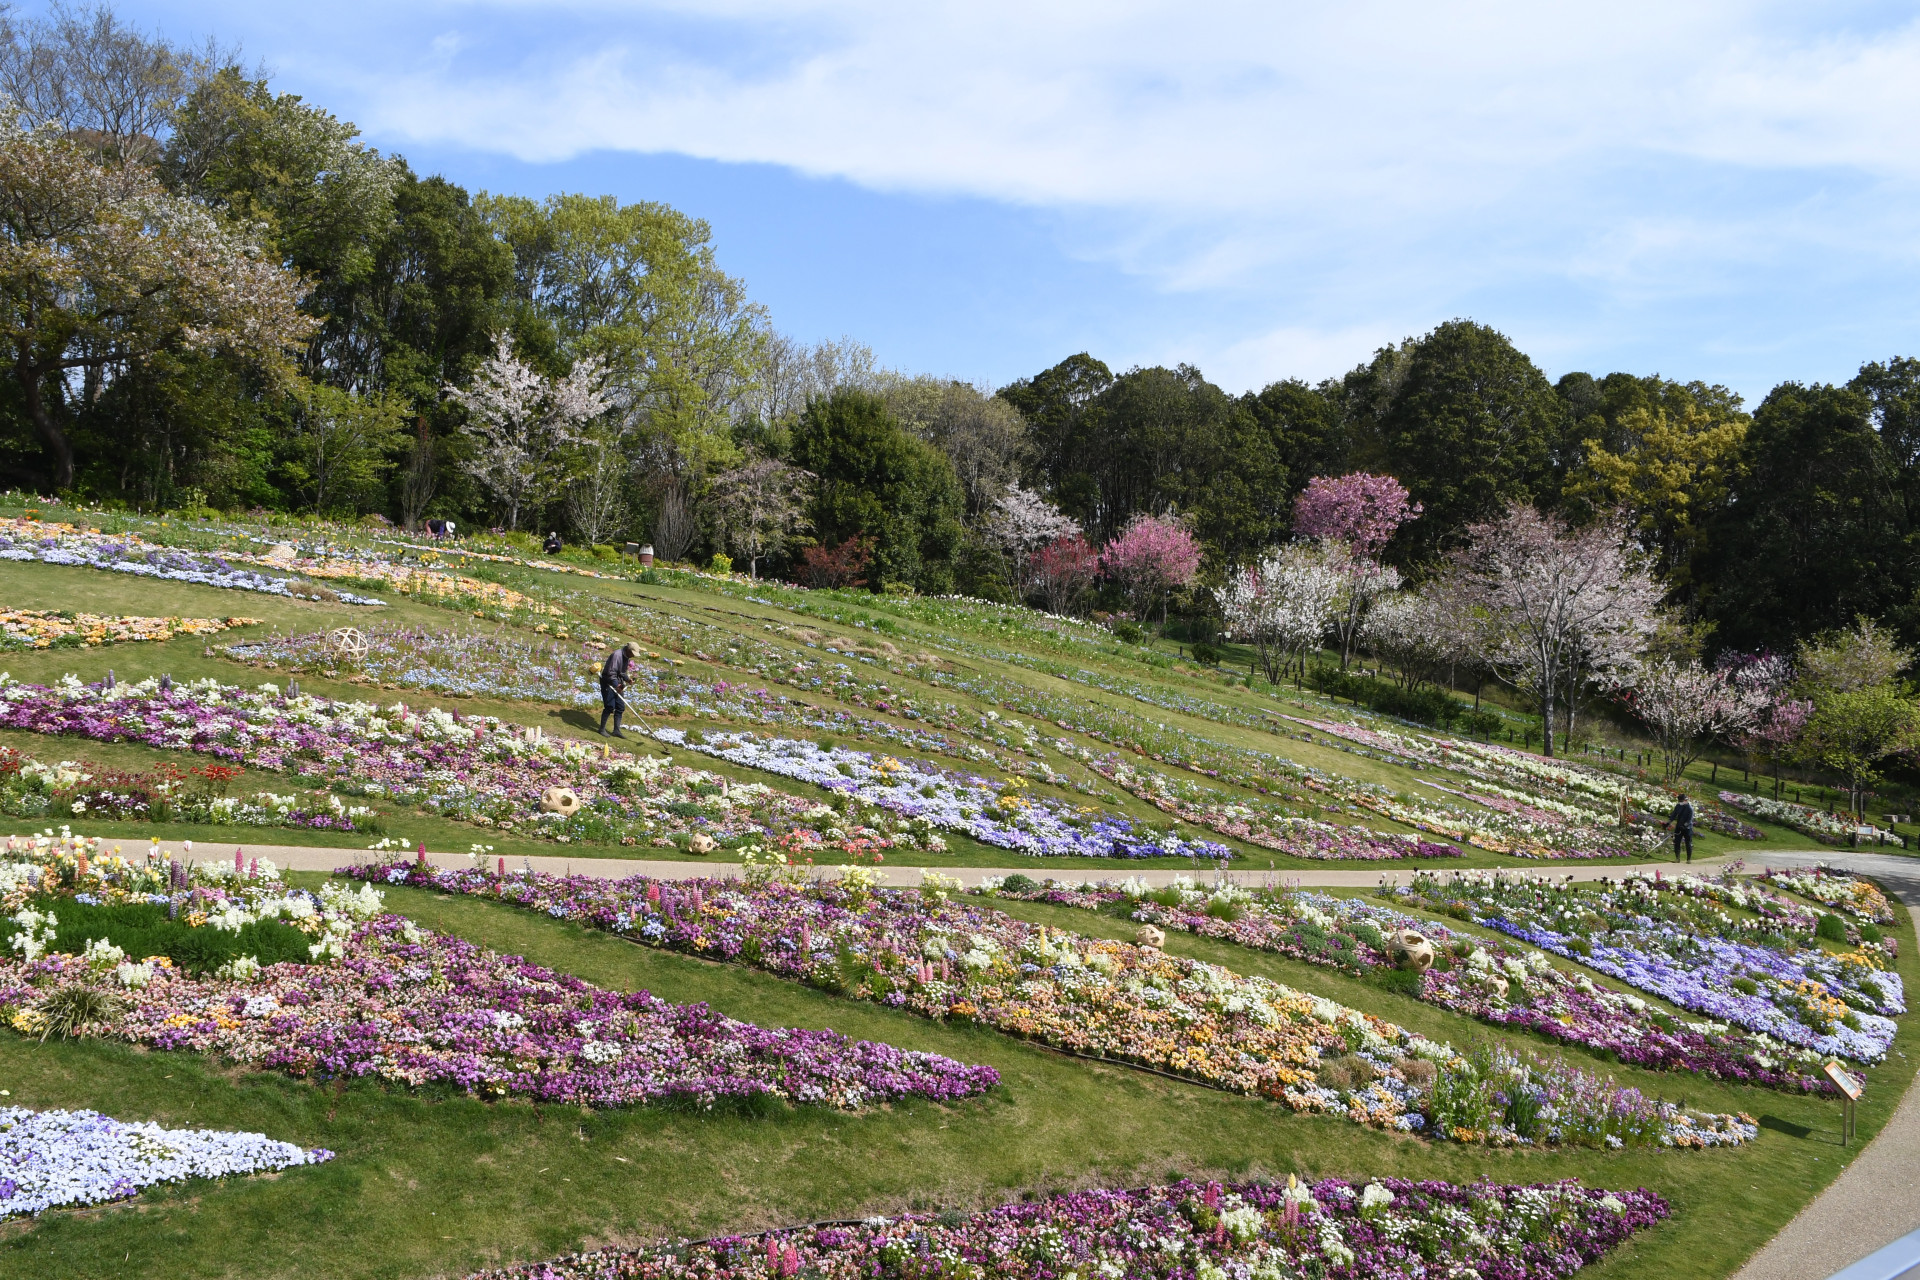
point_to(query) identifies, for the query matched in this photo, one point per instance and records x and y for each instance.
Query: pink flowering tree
(1359, 514)
(1151, 559)
(1061, 571)
(1363, 511)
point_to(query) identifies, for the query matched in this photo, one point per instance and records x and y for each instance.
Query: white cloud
(1332, 169)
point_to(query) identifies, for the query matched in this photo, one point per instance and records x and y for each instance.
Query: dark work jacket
(615, 670)
(1682, 816)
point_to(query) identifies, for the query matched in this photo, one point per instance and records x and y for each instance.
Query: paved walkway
(1876, 1200)
(316, 858)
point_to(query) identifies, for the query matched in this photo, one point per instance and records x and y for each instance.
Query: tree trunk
(50, 433)
(1546, 721)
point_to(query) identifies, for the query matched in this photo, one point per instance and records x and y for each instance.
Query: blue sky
(1721, 191)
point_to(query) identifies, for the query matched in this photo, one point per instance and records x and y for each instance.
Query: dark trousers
(1680, 834)
(610, 705)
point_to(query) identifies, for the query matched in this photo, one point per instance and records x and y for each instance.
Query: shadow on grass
(1787, 1127)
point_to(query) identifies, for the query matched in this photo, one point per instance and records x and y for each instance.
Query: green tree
(321, 199)
(1470, 428)
(1855, 732)
(638, 287)
(101, 271)
(1064, 456)
(878, 481)
(1813, 532)
(1669, 471)
(337, 446)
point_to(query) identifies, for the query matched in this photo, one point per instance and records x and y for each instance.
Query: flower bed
(53, 1158)
(47, 629)
(476, 768)
(1826, 827)
(1499, 984)
(385, 998)
(1838, 889)
(31, 788)
(1183, 1231)
(1262, 823)
(1832, 1004)
(995, 813)
(943, 959)
(61, 544)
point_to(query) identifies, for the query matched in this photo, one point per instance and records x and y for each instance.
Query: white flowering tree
(521, 428)
(758, 506)
(1022, 523)
(1406, 631)
(1283, 605)
(1685, 705)
(1557, 599)
(101, 269)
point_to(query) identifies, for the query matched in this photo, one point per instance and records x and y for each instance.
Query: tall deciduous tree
(758, 506)
(637, 287)
(1557, 597)
(520, 427)
(1283, 605)
(101, 269)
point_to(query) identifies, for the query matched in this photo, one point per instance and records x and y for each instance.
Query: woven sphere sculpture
(560, 800)
(1150, 936)
(1410, 950)
(349, 644)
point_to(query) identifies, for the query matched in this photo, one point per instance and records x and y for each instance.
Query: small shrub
(1871, 933)
(1400, 981)
(1128, 632)
(1832, 928)
(1523, 1113)
(1348, 1072)
(1745, 986)
(722, 563)
(67, 1009)
(1207, 654)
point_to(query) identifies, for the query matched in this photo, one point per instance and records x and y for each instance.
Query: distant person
(553, 544)
(436, 528)
(447, 527)
(1681, 820)
(615, 675)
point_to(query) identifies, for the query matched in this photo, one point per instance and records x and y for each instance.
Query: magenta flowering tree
(1061, 571)
(1152, 558)
(1359, 509)
(1356, 514)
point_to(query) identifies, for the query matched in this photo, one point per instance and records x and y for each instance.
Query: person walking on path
(1681, 820)
(615, 675)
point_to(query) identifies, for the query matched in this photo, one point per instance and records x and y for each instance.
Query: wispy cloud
(1358, 163)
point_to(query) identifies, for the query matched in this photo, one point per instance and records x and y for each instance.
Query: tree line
(216, 295)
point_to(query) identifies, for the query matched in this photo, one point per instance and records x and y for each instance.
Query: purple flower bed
(992, 812)
(1799, 995)
(1096, 998)
(420, 1008)
(1389, 1229)
(1496, 984)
